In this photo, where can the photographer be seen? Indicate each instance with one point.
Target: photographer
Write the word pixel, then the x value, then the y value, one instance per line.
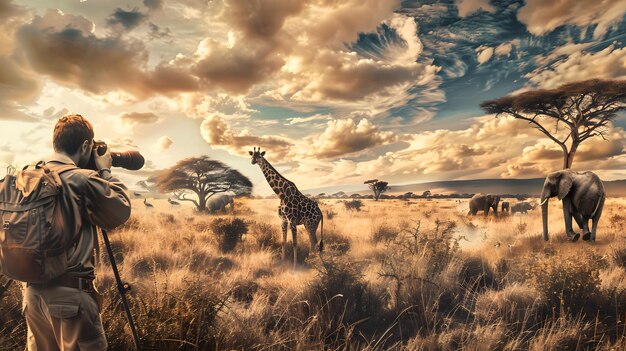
pixel 64 314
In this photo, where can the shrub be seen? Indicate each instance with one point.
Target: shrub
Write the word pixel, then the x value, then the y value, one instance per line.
pixel 476 274
pixel 335 241
pixel 384 233
pixel 355 204
pixel 340 300
pixel 264 234
pixel 229 232
pixel 569 284
pixel 330 214
pixel 516 305
pixel 618 256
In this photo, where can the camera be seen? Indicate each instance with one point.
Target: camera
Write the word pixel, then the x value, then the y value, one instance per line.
pixel 131 160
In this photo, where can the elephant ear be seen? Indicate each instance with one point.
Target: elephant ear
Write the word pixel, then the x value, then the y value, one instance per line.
pixel 565 184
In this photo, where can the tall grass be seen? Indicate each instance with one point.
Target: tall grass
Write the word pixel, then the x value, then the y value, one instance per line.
pixel 398 275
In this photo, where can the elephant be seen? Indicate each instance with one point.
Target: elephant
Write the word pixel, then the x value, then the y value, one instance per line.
pixel 483 202
pixel 219 202
pixel 582 194
pixel 505 206
pixel 523 207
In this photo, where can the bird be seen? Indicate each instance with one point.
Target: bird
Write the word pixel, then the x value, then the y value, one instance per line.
pixel 173 203
pixel 147 204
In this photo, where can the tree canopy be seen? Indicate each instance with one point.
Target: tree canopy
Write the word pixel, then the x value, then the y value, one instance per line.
pixel 377 186
pixel 569 114
pixel 202 178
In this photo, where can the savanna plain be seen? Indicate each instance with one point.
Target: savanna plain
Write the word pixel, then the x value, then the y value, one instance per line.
pixel 416 274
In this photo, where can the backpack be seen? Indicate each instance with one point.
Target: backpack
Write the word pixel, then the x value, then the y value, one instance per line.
pixel 33 239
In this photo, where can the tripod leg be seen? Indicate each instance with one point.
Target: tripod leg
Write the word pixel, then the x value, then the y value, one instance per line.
pixel 122 289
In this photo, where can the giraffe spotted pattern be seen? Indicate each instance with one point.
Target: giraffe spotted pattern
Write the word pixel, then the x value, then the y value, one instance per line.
pixel 295 208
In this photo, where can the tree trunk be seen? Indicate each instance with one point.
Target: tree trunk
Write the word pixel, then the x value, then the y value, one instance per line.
pixel 201 202
pixel 570 155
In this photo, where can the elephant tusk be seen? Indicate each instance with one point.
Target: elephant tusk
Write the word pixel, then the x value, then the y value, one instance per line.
pixel 544 201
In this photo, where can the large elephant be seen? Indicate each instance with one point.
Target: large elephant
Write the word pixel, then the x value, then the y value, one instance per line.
pixel 583 198
pixel 483 202
pixel 218 203
pixel 523 207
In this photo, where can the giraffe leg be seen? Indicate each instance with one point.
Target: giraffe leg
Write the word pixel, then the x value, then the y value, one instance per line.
pixel 294 238
pixel 311 228
pixel 284 245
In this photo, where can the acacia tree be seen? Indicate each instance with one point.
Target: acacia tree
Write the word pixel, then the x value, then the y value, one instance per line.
pixel 202 177
pixel 377 186
pixel 569 114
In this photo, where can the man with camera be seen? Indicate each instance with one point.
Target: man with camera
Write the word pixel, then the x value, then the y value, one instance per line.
pixel 64 313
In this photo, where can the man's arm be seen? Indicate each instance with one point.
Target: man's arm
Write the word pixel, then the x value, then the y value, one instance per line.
pixel 107 200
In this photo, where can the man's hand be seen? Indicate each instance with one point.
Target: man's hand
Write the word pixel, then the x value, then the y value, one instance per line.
pixel 104 161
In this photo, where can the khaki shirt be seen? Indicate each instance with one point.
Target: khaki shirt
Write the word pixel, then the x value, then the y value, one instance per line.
pixel 89 200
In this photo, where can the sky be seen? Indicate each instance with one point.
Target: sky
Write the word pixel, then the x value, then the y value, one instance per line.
pixel 336 92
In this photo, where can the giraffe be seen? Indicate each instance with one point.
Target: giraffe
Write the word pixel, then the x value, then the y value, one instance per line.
pixel 294 209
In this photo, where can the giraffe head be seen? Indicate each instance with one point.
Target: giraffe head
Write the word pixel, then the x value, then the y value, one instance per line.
pixel 256 154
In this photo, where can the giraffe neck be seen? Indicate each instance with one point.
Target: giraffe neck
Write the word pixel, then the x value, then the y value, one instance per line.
pixel 277 182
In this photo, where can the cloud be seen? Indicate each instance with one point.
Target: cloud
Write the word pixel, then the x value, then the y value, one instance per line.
pixel 18 85
pixel 608 64
pixel 164 143
pixel 53 114
pixel 505 49
pixel 467 7
pixel 484 54
pixel 7 155
pixel 132 119
pixel 153 4
pixel 157 33
pixel 64 48
pixel 541 17
pixel 127 20
pixel 343 137
pixel 218 134
pixel 309 119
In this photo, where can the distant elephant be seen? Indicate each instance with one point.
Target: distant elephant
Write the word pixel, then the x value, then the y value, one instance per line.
pixel 583 198
pixel 218 203
pixel 483 202
pixel 505 206
pixel 523 207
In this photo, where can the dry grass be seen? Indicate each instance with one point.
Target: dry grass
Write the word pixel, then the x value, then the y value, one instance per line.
pixel 413 274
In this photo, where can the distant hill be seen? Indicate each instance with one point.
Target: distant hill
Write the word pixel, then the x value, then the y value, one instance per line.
pixel 530 186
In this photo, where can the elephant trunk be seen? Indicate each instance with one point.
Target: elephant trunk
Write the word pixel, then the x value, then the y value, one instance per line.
pixel 544 215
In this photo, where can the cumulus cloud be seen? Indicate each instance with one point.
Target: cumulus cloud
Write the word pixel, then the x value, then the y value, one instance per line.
pixel 467 7
pixel 164 143
pixel 505 48
pixel 18 86
pixel 64 47
pixel 484 54
pixel 541 17
pixel 608 64
pixel 218 134
pixel 344 137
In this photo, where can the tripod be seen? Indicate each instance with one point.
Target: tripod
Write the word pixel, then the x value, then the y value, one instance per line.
pixel 122 288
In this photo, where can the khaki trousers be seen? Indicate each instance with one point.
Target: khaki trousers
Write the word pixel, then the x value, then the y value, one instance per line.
pixel 62 319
